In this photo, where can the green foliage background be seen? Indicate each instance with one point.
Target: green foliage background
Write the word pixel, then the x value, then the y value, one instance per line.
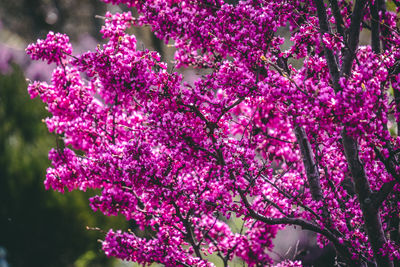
pixel 39 227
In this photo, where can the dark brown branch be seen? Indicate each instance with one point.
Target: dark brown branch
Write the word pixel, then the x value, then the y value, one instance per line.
pixel 189 231
pixel 380 196
pixel 285 74
pixel 219 254
pixel 344 252
pixel 330 57
pixel 338 16
pixel 397 3
pixel 371 215
pixel 290 196
pixel 394 224
pixel 182 263
pixel 361 182
pixel 375 28
pixel 387 188
pixel 354 36
pixel 309 163
pixel 234 104
pixel 385 32
pixel 196 147
pixel 389 163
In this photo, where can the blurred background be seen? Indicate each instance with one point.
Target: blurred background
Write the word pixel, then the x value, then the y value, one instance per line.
pixel 46 228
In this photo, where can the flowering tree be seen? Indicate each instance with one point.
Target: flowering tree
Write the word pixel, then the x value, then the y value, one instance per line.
pixel 256 138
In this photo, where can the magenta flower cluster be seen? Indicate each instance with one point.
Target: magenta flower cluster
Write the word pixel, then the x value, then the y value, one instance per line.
pixel 268 136
pixel 54 48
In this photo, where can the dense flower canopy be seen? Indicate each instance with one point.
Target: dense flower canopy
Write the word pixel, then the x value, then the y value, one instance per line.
pixel 304 135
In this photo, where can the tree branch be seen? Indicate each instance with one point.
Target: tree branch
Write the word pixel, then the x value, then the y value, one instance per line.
pixel 330 57
pixel 389 164
pixel 354 35
pixel 371 215
pixel 380 196
pixel 189 231
pixel 338 16
pixel 387 188
pixel 384 29
pixel 309 163
pixel 343 250
pixel 375 28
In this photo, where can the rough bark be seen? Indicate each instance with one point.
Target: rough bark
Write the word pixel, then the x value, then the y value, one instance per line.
pixel 309 163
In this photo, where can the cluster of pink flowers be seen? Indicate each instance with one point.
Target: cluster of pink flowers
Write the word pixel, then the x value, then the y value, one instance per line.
pixel 269 137
pixel 54 48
